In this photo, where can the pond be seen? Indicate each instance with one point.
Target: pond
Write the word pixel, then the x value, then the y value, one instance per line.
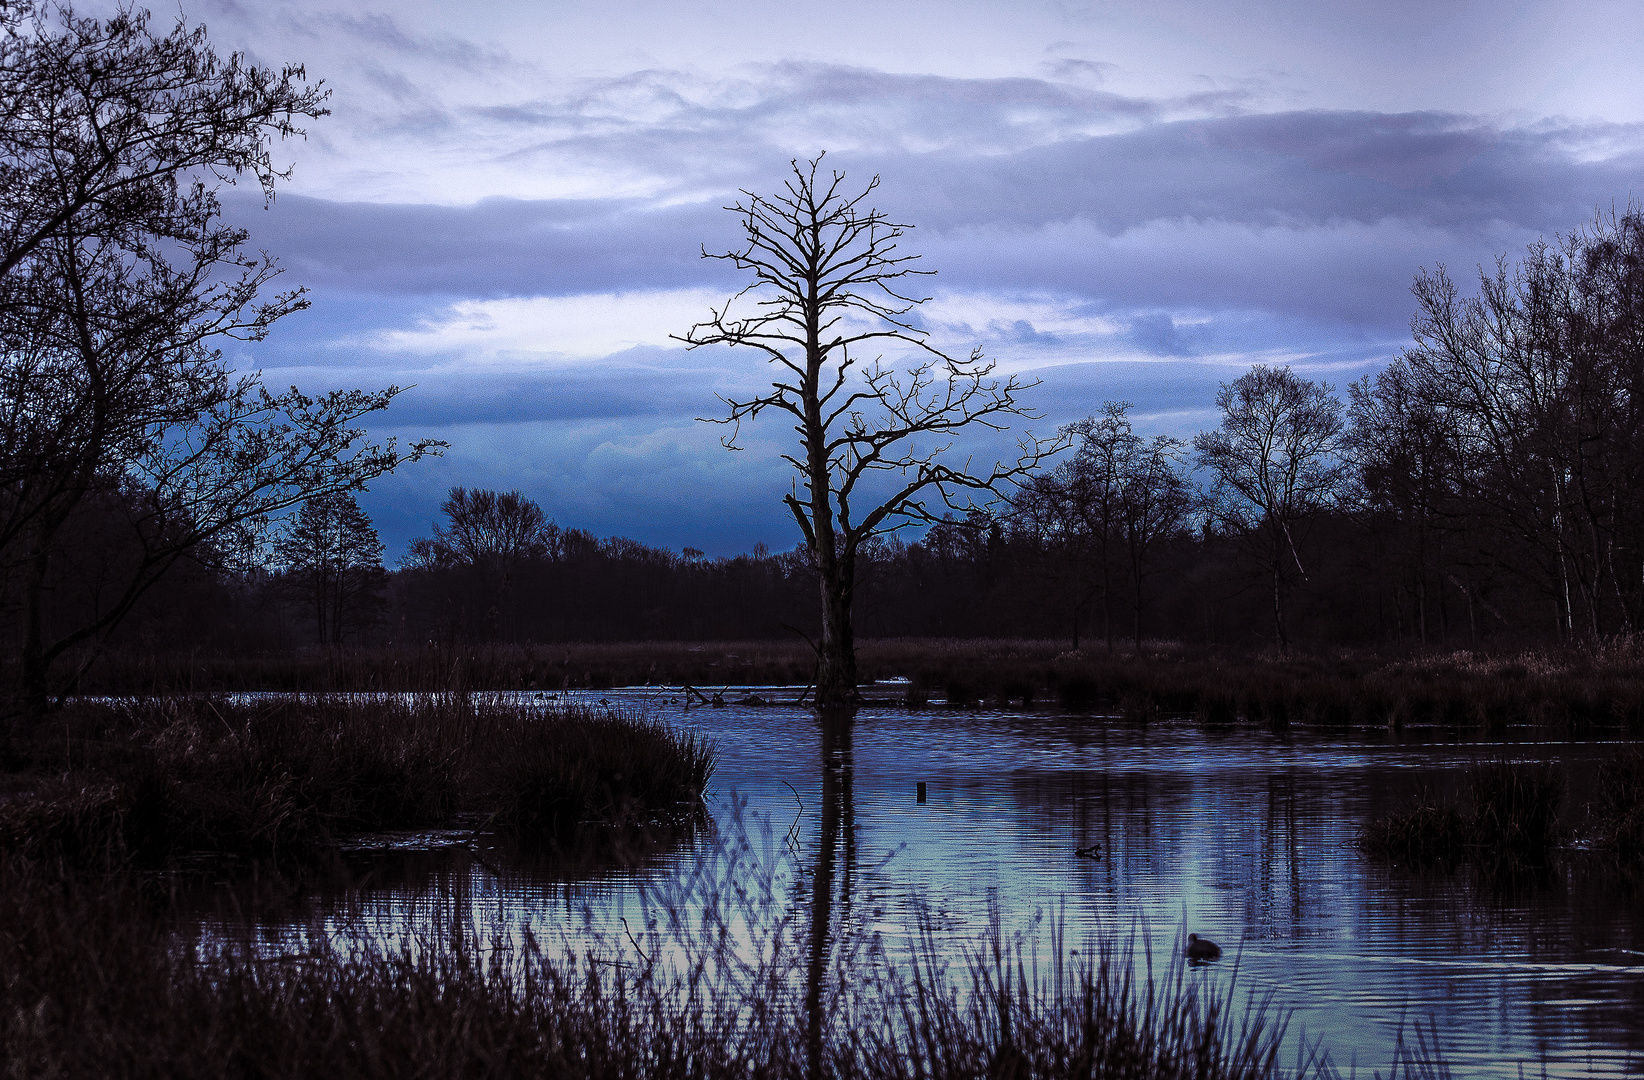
pixel 1235 833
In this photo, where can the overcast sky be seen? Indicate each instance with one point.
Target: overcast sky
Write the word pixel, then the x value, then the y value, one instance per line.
pixel 1125 200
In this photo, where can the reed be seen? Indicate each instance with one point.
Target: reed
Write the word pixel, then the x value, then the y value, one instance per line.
pixel 98 984
pixel 615 771
pixel 1620 805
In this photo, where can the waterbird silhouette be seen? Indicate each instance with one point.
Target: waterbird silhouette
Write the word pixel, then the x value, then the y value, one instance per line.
pixel 1199 948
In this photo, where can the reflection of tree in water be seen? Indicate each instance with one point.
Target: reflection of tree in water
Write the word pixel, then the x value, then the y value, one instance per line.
pixel 835 865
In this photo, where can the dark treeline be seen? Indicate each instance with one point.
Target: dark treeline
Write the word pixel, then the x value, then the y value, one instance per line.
pixel 1483 488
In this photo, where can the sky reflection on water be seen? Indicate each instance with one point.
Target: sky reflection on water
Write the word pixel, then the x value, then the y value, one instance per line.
pixel 1237 834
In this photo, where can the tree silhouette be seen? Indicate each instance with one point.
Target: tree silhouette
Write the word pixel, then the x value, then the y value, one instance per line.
pixel 333 559
pixel 872 456
pixel 118 279
pixel 1274 464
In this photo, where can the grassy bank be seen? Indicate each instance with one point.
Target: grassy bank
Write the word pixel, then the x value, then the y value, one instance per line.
pixel 150 781
pixel 1572 688
pixel 98 986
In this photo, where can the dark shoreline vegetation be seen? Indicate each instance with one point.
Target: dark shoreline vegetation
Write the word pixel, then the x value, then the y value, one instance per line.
pixel 101 982
pixel 1575 688
pixel 150 781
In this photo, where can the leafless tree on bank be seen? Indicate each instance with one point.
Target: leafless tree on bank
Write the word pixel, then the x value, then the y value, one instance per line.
pixel 829 284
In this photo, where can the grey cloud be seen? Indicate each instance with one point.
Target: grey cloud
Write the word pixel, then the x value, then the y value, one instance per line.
pixel 498 247
pixel 1306 224
pixel 1284 169
pixel 612 391
pixel 1158 334
pixel 1204 172
pixel 392 36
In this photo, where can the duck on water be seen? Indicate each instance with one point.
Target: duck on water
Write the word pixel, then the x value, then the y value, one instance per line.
pixel 1199 948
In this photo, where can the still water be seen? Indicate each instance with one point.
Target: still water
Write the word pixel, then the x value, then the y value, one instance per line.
pixel 1237 834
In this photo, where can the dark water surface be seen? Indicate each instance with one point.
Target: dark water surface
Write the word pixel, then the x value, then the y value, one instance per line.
pixel 1235 833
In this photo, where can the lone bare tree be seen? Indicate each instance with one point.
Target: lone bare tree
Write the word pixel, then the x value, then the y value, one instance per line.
pixel 829 283
pixel 1274 463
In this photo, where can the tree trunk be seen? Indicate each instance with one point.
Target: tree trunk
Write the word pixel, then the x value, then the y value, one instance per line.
pixel 1107 603
pixel 1278 595
pixel 1278 611
pixel 1136 582
pixel 33 691
pixel 836 660
pixel 1421 607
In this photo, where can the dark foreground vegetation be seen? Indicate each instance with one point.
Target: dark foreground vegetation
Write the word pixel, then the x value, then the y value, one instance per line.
pixel 149 781
pixel 99 984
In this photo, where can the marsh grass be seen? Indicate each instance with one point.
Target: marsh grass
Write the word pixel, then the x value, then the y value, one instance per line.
pixel 622 772
pixel 101 983
pixel 1512 819
pixel 149 781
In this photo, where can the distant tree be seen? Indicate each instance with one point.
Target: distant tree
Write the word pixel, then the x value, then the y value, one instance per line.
pixel 1071 513
pixel 1155 499
pixel 1274 464
pixel 332 558
pixel 1116 497
pixel 1047 521
pixel 1402 448
pixel 491 530
pixel 873 441
pixel 474 560
pixel 117 278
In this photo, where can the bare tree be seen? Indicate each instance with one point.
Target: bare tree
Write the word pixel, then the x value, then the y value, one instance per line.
pixel 1048 518
pixel 1402 448
pixel 1115 498
pixel 490 529
pixel 1539 380
pixel 872 455
pixel 1073 511
pixel 107 129
pixel 118 278
pixel 1105 444
pixel 486 538
pixel 1154 501
pixel 1274 465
